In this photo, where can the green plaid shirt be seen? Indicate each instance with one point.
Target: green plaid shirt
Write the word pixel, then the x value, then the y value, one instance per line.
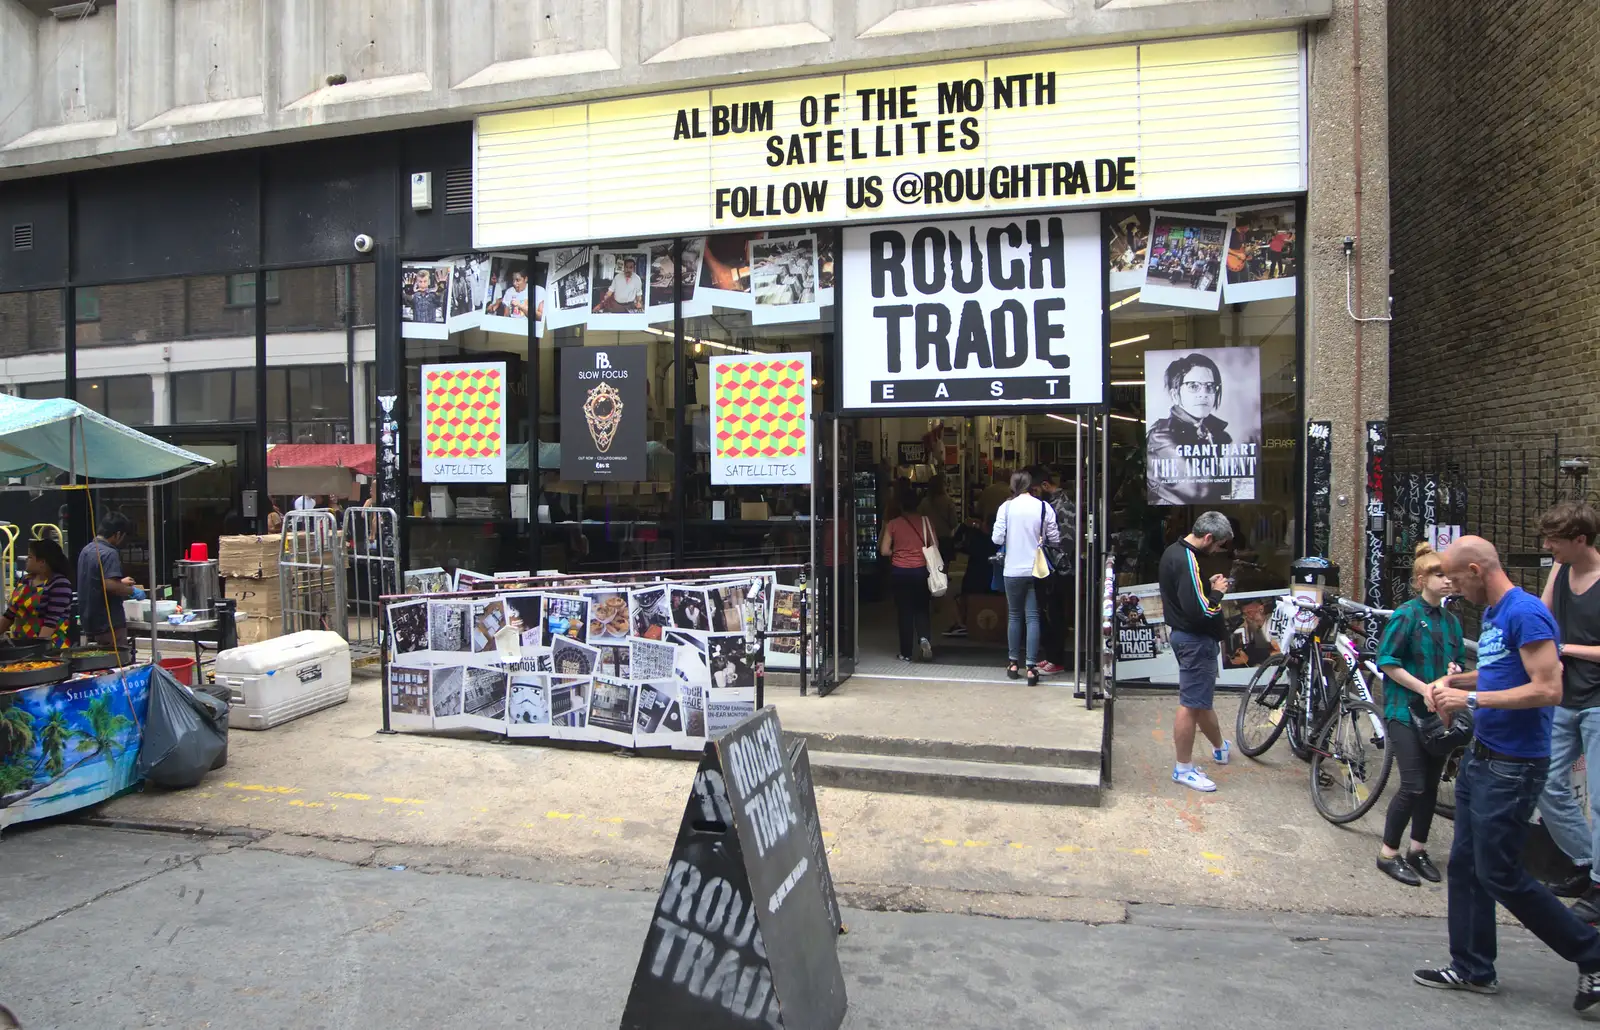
pixel 1422 640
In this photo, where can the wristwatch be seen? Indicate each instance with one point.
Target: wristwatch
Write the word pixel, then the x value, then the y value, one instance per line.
pixel 1472 701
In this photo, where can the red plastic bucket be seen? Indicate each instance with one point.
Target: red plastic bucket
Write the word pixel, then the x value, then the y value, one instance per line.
pixel 182 669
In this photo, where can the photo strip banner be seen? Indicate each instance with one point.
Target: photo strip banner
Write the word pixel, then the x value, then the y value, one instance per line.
pixel 425 299
pixel 660 664
pixel 1202 425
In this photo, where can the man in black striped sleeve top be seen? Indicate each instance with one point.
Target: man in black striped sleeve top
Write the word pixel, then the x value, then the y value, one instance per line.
pixel 1193 612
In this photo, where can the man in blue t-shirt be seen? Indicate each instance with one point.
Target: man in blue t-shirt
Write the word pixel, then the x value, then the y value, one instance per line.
pixel 1511 692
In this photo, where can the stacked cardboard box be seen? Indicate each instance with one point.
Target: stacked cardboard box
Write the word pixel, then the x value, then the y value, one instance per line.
pixel 249 567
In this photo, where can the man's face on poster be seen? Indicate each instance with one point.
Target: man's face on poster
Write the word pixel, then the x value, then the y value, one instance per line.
pixel 627 267
pixel 1197 392
pixel 423 281
pixel 519 281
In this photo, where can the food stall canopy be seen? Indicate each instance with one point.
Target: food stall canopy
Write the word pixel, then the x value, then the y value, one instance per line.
pixel 318 468
pixel 63 435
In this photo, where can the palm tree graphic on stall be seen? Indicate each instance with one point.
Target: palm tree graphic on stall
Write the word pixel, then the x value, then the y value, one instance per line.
pixel 100 736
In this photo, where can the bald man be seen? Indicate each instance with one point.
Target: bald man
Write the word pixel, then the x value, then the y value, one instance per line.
pixel 1511 692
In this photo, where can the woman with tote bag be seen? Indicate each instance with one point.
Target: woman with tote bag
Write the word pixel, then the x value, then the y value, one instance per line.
pixel 1023 526
pixel 915 572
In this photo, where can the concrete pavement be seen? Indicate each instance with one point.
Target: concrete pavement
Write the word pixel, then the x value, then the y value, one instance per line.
pixel 106 929
pixel 329 784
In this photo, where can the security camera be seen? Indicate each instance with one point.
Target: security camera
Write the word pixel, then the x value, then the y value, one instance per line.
pixel 363 243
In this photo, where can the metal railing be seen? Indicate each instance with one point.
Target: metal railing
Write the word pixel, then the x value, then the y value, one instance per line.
pixel 370 536
pixel 311 573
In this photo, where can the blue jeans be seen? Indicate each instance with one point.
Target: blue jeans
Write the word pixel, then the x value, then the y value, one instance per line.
pixel 1494 801
pixel 1576 732
pixel 1022 602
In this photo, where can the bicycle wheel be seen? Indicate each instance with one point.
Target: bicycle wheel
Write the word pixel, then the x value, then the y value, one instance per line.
pixel 1446 805
pixel 1267 705
pixel 1349 764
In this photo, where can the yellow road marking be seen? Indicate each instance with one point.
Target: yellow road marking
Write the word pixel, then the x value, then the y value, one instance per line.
pixel 1211 856
pixel 262 788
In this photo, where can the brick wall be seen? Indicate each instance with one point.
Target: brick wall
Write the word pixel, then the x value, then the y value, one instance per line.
pixel 1495 210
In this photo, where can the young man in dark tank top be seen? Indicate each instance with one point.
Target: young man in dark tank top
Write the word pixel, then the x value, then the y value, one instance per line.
pixel 1572 593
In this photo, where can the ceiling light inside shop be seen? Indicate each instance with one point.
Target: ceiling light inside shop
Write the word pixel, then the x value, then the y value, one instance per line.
pixel 1127 382
pixel 1129 299
pixel 1127 418
pixel 1131 339
pixel 1063 418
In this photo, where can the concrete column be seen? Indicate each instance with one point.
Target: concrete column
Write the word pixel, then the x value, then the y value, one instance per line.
pixel 1331 369
pixel 161 398
pixel 145 59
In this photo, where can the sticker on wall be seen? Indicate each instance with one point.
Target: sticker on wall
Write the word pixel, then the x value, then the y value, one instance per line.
pixel 1262 253
pixel 617 290
pixel 567 288
pixel 974 314
pixel 761 419
pixel 1129 244
pixel 1184 267
pixel 1202 425
pixel 783 280
pixel 604 407
pixel 464 423
pixel 424 299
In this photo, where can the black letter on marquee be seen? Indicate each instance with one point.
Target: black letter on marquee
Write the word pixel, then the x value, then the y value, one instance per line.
pixel 888 250
pixel 974 282
pixel 972 338
pixel 1044 331
pixel 928 278
pixel 891 315
pixel 1011 278
pixel 1010 349
pixel 933 335
pixel 1055 252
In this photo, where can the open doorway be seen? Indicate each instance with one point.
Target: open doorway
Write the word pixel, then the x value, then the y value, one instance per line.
pixel 956 472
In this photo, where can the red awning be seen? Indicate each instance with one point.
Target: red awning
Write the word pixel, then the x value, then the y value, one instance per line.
pixel 360 458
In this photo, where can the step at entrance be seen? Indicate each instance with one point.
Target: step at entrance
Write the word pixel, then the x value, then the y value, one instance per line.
pixel 954 778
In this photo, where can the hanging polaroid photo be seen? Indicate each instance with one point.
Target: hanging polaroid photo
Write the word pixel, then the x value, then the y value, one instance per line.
pixel 516 291
pixel 1184 266
pixel 447 685
pixel 424 299
pixel 783 652
pixel 725 270
pixel 825 241
pixel 428 581
pixel 608 615
pixel 660 306
pixel 528 709
pixel 1129 244
pixel 571 658
pixel 692 706
pixel 783 279
pixel 617 289
pixel 1263 253
pixel 732 665
pixel 449 626
pixel 569 706
pixel 468 581
pixel 565 618
pixel 483 704
pixel 649 612
pixel 616 660
pixel 611 710
pixel 488 618
pixel 469 285
pixel 567 288
pixel 525 614
pixel 690 609
pixel 408 627
pixel 729 613
pixel 652 659
pixel 410 697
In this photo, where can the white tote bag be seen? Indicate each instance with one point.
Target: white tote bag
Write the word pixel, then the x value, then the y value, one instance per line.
pixel 938 582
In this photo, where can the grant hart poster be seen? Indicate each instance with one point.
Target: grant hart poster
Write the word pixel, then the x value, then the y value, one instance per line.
pixel 603 413
pixel 1202 424
pixel 998 312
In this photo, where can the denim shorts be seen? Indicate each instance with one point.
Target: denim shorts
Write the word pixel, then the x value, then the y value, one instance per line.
pixel 1197 668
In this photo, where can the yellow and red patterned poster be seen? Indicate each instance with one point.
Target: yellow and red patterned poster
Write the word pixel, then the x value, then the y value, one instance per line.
pixel 464 423
pixel 761 419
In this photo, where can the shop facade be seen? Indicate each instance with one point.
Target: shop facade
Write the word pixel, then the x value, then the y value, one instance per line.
pixel 728 199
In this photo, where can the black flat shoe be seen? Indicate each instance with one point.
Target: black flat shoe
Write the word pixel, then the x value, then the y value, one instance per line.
pixel 1574 885
pixel 1397 869
pixel 1013 672
pixel 1424 866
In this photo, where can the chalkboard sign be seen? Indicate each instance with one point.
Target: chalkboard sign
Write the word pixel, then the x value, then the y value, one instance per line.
pixel 742 933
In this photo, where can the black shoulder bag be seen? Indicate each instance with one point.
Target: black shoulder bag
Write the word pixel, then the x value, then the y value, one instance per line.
pixel 1438 737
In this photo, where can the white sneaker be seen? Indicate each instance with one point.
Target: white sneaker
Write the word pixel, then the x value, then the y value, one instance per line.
pixel 1193 778
pixel 1220 754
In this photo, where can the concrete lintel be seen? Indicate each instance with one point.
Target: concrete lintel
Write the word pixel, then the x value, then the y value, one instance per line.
pixel 741 41
pixel 197 114
pixel 504 72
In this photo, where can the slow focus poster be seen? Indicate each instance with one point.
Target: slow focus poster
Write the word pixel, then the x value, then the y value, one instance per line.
pixel 604 407
pixel 464 423
pixel 761 419
pixel 1202 425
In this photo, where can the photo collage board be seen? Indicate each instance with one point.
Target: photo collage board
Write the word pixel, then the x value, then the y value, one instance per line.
pixel 661 664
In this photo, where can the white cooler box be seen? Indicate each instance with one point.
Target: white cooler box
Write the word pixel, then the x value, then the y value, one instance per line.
pixel 284 678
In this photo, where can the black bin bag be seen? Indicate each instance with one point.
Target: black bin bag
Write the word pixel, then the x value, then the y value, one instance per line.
pixel 184 733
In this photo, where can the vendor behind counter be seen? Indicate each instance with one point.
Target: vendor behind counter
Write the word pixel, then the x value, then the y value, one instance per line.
pixel 41 605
